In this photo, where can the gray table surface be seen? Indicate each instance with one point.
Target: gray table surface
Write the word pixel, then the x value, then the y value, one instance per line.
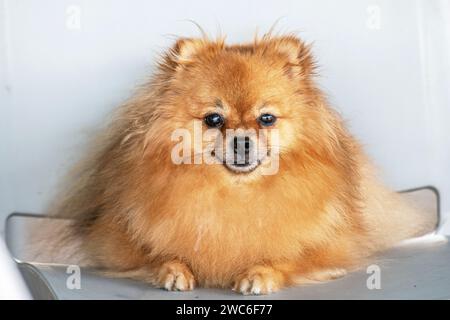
pixel 417 271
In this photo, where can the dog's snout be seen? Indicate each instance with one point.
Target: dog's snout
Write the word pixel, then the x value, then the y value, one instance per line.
pixel 241 151
pixel 242 145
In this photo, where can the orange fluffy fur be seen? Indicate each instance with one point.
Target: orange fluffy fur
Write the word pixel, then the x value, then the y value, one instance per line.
pixel 179 226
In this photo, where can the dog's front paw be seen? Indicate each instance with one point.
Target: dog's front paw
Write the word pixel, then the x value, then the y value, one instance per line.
pixel 175 276
pixel 259 280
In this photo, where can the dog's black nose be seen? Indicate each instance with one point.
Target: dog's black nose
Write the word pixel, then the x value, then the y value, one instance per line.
pixel 242 145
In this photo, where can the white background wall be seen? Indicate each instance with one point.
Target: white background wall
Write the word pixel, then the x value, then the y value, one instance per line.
pixel 65 64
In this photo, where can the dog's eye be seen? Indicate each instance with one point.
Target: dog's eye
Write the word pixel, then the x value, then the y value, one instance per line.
pixel 267 119
pixel 214 120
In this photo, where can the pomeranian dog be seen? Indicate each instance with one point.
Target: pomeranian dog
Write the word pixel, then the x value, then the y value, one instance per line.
pixel 298 202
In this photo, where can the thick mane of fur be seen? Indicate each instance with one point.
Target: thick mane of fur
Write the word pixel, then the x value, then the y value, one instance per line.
pixel 136 211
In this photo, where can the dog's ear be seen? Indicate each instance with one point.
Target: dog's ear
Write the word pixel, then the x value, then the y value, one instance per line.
pixel 299 60
pixel 184 50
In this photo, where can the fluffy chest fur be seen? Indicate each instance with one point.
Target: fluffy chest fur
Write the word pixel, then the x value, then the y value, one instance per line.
pixel 221 230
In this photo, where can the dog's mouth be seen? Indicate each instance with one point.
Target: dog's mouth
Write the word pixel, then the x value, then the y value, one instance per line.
pixel 236 165
pixel 245 167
